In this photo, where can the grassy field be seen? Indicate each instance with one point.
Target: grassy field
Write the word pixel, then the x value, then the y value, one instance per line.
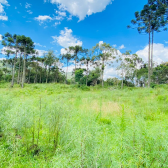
pixel 59 126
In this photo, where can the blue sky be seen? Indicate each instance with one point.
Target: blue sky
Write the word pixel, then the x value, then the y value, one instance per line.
pixel 84 22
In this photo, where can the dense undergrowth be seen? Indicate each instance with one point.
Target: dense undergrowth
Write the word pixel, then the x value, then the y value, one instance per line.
pixel 53 125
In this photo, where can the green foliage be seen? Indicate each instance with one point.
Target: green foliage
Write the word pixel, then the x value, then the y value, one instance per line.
pixel 79 75
pixel 85 88
pixel 63 126
pixel 105 121
pixel 1 75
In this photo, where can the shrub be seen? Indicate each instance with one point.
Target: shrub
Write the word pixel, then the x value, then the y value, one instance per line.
pixel 85 88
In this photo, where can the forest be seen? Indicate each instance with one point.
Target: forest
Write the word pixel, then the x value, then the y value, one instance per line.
pixel 51 116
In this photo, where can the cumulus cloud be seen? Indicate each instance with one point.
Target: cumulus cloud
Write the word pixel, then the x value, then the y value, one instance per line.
pixel 0 37
pixel 122 47
pixel 66 39
pixel 3 50
pixel 2 12
pixel 100 43
pixel 110 72
pixel 63 51
pixel 4 18
pixel 5 2
pixel 43 18
pixel 81 8
pixel 160 53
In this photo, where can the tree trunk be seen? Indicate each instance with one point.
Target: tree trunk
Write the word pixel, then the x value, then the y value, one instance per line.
pixel 122 80
pixel 24 68
pixel 149 62
pixel 152 52
pixel 75 65
pixel 36 71
pixel 102 78
pixel 18 80
pixel 67 72
pixel 13 73
pixel 87 74
pixel 102 74
pixel 40 76
pixel 47 75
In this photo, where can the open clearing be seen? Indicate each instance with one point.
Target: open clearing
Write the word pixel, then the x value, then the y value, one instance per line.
pixel 58 125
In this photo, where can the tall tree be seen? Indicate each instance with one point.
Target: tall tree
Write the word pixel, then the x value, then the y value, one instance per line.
pixel 128 65
pixel 149 19
pixel 88 60
pixel 49 60
pixel 75 50
pixel 67 56
pixel 27 45
pixel 105 54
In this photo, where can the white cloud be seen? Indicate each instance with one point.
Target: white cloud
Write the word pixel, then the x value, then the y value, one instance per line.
pixel 166 42
pixel 0 37
pixel 66 50
pixel 5 2
pixel 29 11
pixel 38 44
pixel 61 13
pixel 160 53
pixel 114 45
pixel 58 18
pixel 41 52
pixel 1 8
pixel 122 47
pixel 82 8
pixel 5 18
pixel 57 23
pixel 27 5
pixel 1 59
pixel 3 50
pixel 110 72
pixel 100 43
pixel 63 51
pixel 43 18
pixel 66 39
pixel 70 17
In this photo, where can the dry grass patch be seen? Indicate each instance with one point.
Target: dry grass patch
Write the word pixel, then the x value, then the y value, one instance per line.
pixel 107 108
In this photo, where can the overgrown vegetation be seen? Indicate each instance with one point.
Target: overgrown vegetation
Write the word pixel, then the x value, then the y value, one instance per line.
pixel 54 125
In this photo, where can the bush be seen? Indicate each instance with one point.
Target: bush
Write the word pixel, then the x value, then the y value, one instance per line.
pixel 85 88
pixel 153 85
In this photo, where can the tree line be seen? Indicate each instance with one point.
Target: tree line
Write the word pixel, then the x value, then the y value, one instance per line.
pixel 24 65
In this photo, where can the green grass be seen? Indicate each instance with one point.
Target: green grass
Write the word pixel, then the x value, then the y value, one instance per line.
pixel 53 125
